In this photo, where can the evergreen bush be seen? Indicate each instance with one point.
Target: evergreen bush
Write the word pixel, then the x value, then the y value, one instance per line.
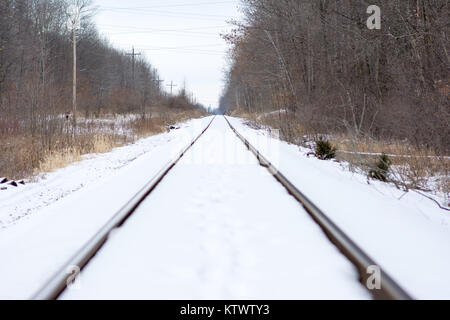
pixel 381 168
pixel 324 150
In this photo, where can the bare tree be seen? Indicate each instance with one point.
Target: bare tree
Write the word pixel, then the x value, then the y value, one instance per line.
pixel 319 61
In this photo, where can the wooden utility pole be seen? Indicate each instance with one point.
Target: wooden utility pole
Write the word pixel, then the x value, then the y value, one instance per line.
pixel 158 84
pixel 74 99
pixel 171 85
pixel 133 55
pixel 74 22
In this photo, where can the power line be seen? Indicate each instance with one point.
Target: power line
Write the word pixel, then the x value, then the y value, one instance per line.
pixel 183 29
pixel 173 15
pixel 174 5
pixel 185 52
pixel 119 31
pixel 170 12
pixel 201 34
pixel 186 47
pixel 192 51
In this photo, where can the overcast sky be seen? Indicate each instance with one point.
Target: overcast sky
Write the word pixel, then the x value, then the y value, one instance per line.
pixel 181 38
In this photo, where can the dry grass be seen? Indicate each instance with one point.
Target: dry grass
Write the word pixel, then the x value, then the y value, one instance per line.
pixel 58 159
pixel 348 143
pixel 52 160
pixel 103 143
pixel 157 120
pixel 412 168
pixel 18 156
pixel 23 156
pixel 290 131
pixel 148 126
pixel 245 115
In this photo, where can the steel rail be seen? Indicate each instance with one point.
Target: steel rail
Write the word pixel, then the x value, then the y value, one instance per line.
pixel 59 281
pixel 390 290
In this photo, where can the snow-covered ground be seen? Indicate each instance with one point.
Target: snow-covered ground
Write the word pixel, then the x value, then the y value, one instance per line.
pixel 406 233
pixel 45 222
pixel 218 226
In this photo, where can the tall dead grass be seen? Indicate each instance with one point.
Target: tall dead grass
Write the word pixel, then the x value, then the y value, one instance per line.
pixel 57 159
pixel 24 156
pixel 157 121
pixel 412 167
pixel 103 143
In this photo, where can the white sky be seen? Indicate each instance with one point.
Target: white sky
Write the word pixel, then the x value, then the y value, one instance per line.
pixel 181 38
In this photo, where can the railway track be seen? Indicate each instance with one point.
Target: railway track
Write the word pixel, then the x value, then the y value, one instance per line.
pixel 389 288
pixel 58 283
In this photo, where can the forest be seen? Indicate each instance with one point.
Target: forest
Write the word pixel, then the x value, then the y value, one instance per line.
pixel 314 67
pixel 37 122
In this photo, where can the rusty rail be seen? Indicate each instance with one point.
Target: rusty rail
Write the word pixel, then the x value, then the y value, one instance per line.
pixel 59 281
pixel 389 288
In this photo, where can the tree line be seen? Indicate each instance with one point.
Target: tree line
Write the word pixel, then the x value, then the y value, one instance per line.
pixel 36 63
pixel 320 62
pixel 38 129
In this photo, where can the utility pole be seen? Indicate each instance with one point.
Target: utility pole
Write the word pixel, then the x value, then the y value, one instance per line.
pixel 75 23
pixel 158 84
pixel 74 98
pixel 171 85
pixel 133 58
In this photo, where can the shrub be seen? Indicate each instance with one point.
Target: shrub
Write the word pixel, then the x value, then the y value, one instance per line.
pixel 58 159
pixel 381 168
pixel 324 150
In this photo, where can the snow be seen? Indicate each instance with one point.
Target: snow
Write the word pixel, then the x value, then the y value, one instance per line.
pixel 219 226
pixel 406 233
pixel 46 222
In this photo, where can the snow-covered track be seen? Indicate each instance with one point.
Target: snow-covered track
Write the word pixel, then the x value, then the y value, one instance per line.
pixel 59 281
pixel 389 288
